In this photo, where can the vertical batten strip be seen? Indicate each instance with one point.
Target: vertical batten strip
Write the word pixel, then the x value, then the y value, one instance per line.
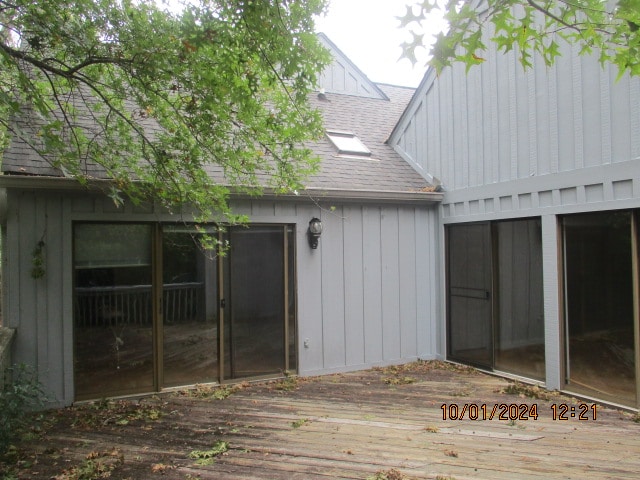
pixel 513 116
pixel 533 120
pixel 605 116
pixel 634 102
pixel 491 154
pixel 552 91
pixel 578 107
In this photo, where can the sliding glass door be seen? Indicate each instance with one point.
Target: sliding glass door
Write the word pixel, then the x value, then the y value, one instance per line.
pixel 495 296
pixel 519 306
pixel 113 318
pixel 189 307
pixel 600 317
pixel 257 301
pixel 154 308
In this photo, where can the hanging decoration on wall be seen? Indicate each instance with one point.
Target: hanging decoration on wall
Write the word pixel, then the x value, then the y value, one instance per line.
pixel 38 260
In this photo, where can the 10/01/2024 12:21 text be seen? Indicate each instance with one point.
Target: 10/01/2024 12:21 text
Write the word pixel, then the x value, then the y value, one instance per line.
pixel 516 411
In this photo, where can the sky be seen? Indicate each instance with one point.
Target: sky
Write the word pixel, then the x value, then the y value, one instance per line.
pixel 368 32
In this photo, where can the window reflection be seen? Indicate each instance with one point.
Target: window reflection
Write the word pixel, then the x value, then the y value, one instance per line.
pixel 496 307
pixel 189 296
pixel 599 305
pixel 113 333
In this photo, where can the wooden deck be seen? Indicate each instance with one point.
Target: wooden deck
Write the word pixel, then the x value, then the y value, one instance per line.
pixel 382 423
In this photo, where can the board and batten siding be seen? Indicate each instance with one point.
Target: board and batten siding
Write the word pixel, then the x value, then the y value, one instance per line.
pixel 377 281
pixel 367 296
pixel 344 77
pixel 37 307
pixel 500 122
pixel 510 143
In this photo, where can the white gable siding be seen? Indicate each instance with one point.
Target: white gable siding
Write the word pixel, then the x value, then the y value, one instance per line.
pixel 500 122
pixel 341 77
pixel 344 77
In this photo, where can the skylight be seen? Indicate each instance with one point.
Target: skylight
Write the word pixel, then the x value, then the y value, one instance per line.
pixel 348 143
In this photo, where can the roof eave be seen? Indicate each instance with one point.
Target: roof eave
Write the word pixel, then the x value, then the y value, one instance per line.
pixel 315 194
pixel 41 182
pixel 319 194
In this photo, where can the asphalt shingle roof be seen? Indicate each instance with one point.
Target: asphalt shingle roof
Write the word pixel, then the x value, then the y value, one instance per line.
pixel 371 119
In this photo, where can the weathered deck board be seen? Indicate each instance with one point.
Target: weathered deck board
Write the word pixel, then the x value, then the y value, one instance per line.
pixel 341 426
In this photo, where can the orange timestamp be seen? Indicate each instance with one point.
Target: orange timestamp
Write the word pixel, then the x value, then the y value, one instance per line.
pixel 580 411
pixel 516 411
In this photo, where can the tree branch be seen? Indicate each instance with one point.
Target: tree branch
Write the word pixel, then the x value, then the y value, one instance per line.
pixel 547 13
pixel 583 7
pixel 67 72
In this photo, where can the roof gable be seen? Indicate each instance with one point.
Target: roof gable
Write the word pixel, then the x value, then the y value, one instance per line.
pixel 500 122
pixel 370 119
pixel 344 77
pixel 367 112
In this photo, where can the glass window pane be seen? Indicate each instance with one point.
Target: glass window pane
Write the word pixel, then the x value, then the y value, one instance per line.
pixel 520 317
pixel 190 320
pixel 470 328
pixel 347 143
pixel 109 245
pixel 113 321
pixel 599 305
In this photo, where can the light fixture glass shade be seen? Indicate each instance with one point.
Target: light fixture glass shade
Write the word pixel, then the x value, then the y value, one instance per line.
pixel 315 226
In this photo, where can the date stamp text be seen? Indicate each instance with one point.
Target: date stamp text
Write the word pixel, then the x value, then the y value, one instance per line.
pixel 517 411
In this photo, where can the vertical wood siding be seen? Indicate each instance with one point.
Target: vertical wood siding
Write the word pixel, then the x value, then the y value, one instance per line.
pixel 354 260
pixel 378 269
pixel 367 296
pixel 342 76
pixel 372 284
pixel 501 123
pixel 334 300
pixel 36 306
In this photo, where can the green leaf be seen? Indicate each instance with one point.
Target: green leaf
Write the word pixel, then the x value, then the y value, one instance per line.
pixel 410 17
pixel 409 48
pixel 167 96
pixel 536 28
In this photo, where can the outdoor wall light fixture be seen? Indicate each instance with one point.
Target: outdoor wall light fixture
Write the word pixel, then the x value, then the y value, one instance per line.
pixel 314 232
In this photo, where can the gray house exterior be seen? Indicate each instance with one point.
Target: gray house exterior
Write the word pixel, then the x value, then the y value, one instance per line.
pixel 538 225
pixel 488 218
pixel 129 304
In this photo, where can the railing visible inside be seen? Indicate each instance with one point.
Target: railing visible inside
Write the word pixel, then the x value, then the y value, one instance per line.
pixel 131 305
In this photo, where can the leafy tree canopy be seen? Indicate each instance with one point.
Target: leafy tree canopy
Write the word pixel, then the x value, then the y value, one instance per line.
pixel 611 29
pixel 223 82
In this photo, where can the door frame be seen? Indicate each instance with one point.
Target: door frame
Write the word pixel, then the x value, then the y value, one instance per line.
pixel 490 296
pixel 565 366
pixel 492 261
pixel 157 327
pixel 225 304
